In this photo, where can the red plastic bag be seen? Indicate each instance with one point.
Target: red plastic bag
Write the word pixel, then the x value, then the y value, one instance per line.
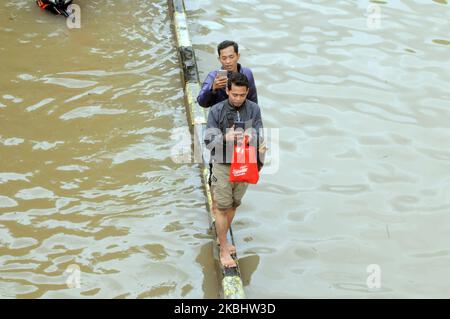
pixel 244 166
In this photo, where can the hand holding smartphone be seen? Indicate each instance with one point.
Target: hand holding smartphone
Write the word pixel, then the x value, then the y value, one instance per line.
pixel 222 73
pixel 221 80
pixel 239 124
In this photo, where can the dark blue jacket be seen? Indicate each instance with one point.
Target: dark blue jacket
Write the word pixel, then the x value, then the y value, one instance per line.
pixel 206 98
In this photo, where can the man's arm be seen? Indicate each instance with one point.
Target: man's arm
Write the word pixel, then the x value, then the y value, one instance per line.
pixel 260 143
pixel 206 95
pixel 213 134
pixel 258 123
pixel 252 92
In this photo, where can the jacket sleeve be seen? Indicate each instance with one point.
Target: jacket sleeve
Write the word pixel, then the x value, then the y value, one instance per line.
pixel 252 94
pixel 206 96
pixel 213 135
pixel 258 126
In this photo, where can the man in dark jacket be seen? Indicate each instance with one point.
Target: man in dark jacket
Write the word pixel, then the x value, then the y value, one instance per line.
pixel 220 137
pixel 213 89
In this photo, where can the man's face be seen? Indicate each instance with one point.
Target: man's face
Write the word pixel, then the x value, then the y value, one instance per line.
pixel 229 59
pixel 237 95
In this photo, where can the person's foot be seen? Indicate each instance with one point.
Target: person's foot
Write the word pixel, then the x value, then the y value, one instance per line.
pixel 226 260
pixel 231 248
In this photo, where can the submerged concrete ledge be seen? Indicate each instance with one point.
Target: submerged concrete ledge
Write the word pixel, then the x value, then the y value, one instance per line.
pixel 232 287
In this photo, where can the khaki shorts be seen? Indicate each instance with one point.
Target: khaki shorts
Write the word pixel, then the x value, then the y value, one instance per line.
pixel 225 193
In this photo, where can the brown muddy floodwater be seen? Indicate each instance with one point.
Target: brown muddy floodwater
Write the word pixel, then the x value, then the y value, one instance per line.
pixel 86 176
pixel 87 180
pixel 364 155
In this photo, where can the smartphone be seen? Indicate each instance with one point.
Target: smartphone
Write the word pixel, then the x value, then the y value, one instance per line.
pixel 222 73
pixel 239 124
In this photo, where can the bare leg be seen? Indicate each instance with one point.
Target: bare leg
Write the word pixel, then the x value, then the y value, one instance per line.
pixel 230 216
pixel 221 228
pixel 214 208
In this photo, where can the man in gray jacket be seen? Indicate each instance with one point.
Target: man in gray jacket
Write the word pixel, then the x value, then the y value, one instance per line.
pixel 220 138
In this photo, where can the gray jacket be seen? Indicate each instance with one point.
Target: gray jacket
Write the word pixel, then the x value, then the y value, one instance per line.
pixel 221 117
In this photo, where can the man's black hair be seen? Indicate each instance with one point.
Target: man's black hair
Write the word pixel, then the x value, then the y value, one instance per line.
pixel 225 44
pixel 238 79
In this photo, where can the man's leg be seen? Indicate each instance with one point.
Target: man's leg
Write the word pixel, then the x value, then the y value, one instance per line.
pixel 222 227
pixel 223 208
pixel 238 190
pixel 230 216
